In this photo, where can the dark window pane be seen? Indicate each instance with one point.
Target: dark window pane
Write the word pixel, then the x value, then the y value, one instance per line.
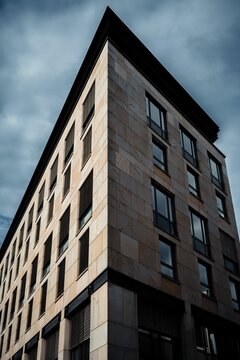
pixel 84 245
pixel 221 205
pixel 216 172
pixel 87 144
pixel 61 278
pixel 53 174
pixel 69 144
pixel 19 321
pixel 159 155
pixel 41 198
pixel 64 231
pixel 67 180
pixel 89 107
pixel 156 117
pixel 47 255
pixel 235 292
pixel 199 234
pixel 189 147
pixel 33 275
pixel 29 316
pixel 205 281
pixel 43 298
pixel 86 201
pixel 51 352
pixel 22 290
pixel 38 227
pixel 21 237
pixel 30 218
pixel 50 208
pixel 193 183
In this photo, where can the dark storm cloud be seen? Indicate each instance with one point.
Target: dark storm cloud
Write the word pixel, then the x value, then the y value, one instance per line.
pixel 43 44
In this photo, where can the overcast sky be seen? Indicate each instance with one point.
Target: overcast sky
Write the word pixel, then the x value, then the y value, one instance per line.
pixel 43 43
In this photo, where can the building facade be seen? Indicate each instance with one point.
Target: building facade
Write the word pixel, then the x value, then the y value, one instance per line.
pixel 125 243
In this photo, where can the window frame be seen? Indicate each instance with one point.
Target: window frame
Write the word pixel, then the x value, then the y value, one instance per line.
pixel 161 129
pixel 83 241
pixel 235 301
pixel 63 234
pixel 221 212
pixel 69 144
pixel 46 256
pixel 87 146
pixel 61 278
pixel 162 165
pixel 217 181
pixel 192 157
pixel 193 191
pixel 204 230
pixel 229 252
pixel 173 268
pixel 85 213
pixel 209 285
pixel 87 116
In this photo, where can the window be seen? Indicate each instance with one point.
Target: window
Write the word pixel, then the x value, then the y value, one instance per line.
pixel 61 278
pixel 189 147
pixel 163 210
pixel 10 279
pixel 33 275
pixel 199 233
pixel 88 107
pixel 87 144
pixel 156 116
pixel 43 299
pixel 235 293
pixel 221 205
pixel 206 342
pixel 5 315
pixel 85 212
pixel 1 345
pixel 29 315
pixel 1 275
pixel 32 353
pixel 26 251
pixel 167 259
pixel 50 208
pixel 9 338
pixel 193 184
pixel 6 265
pixel 67 180
pixel 38 227
pixel 41 198
pixel 80 334
pixel 64 231
pixel 229 252
pixel 51 352
pixel 17 266
pixel 216 172
pixel 22 290
pixel 13 251
pixel 19 321
pixel 53 175
pixel 84 244
pixel 159 154
pixel 30 219
pixel 69 144
pixel 21 238
pixel 13 304
pixel 205 278
pixel 3 291
pixel 47 255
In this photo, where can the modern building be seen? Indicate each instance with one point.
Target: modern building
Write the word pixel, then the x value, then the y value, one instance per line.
pixel 124 245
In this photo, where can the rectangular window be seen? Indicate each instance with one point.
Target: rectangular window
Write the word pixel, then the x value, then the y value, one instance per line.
pixel 22 290
pixel 221 205
pixel 67 180
pixel 21 238
pixel 163 210
pixel 159 154
pixel 229 252
pixel 5 315
pixel 199 233
pixel 9 338
pixel 80 334
pixel 64 231
pixel 86 190
pixel 43 299
pixel 50 208
pixel 235 293
pixel 3 291
pixel 216 172
pixel 51 352
pixel 87 145
pixel 32 354
pixel 206 342
pixel 29 315
pixel 53 175
pixel 19 321
pixel 193 184
pixel 88 107
pixel 188 144
pixel 26 251
pixel 13 303
pixel 1 345
pixel 10 279
pixel 84 245
pixel 167 259
pixel 61 278
pixel 17 266
pixel 6 265
pixel 38 227
pixel 13 251
pixel 156 116
pixel 41 198
pixel 47 255
pixel 1 275
pixel 205 278
pixel 33 275
pixel 69 144
pixel 30 219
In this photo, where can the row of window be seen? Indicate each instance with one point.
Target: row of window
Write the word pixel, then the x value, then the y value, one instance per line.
pixel 88 112
pixel 78 343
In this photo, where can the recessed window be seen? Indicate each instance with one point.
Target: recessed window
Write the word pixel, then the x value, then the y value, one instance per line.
pixel 87 146
pixel 229 252
pixel 47 256
pixel 67 180
pixel 156 116
pixel 64 231
pixel 43 298
pixel 53 175
pixel 167 258
pixel 80 334
pixel 69 144
pixel 88 107
pixel 6 265
pixel 235 293
pixel 22 290
pixel 189 147
pixel 85 212
pixel 221 205
pixel 50 208
pixel 29 315
pixel 51 350
pixel 61 278
pixel 17 266
pixel 13 303
pixel 1 345
pixel 21 237
pixel 216 172
pixel 5 315
pixel 9 338
pixel 84 245
pixel 205 278
pixel 163 210
pixel 33 275
pixel 30 219
pixel 193 184
pixel 206 342
pixel 159 154
pixel 199 233
pixel 26 251
pixel 13 251
pixel 18 330
pixel 10 279
pixel 38 227
pixel 41 198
